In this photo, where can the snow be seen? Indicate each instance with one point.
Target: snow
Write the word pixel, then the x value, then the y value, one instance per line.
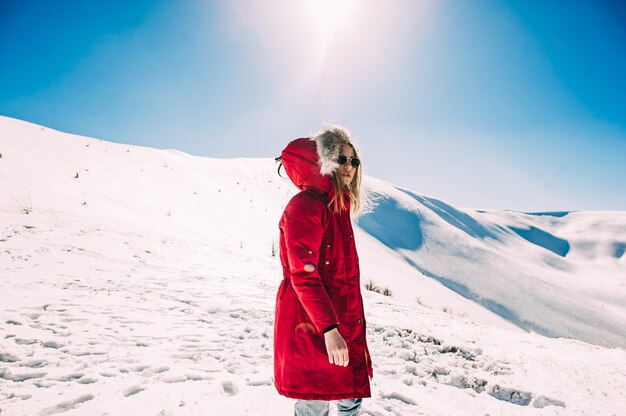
pixel 559 275
pixel 142 282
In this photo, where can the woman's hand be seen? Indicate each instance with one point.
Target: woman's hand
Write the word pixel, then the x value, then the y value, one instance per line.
pixel 336 348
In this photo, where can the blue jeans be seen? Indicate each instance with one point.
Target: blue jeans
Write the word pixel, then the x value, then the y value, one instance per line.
pixel 349 407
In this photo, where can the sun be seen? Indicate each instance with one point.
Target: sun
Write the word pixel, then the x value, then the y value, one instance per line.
pixel 329 16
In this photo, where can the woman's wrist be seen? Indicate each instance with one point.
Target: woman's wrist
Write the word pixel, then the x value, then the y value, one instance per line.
pixel 329 328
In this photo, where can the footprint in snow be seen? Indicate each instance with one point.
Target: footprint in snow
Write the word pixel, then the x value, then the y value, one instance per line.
pixel 542 401
pixel 52 344
pixel 259 382
pixel 25 341
pixel 141 367
pixel 87 380
pixel 229 388
pixel 131 391
pixel 65 406
pixel 523 398
pixel 33 363
pixel 148 372
pixel 8 358
pixel 518 397
pixel 70 377
pixel 19 377
pixel 398 396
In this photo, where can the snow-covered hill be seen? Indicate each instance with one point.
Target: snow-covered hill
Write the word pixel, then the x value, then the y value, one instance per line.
pixel 142 281
pixel 558 274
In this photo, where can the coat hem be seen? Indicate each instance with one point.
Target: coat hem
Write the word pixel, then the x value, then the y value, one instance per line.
pixel 327 397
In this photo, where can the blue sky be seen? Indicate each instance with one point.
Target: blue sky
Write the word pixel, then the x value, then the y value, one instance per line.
pixel 486 104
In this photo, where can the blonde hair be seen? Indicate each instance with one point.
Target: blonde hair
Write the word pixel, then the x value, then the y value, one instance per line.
pixel 338 202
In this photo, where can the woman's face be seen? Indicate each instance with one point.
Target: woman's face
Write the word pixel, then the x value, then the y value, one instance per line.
pixel 346 171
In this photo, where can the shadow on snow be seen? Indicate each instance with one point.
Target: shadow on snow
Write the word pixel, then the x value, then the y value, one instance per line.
pixel 393 225
pixel 543 239
pixel 453 216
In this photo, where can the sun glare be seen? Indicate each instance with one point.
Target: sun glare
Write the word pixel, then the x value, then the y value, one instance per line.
pixel 329 15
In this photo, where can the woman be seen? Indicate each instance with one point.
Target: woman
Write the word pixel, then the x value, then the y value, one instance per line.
pixel 320 350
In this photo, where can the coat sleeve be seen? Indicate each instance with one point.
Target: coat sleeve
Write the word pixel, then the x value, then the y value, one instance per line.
pixel 303 228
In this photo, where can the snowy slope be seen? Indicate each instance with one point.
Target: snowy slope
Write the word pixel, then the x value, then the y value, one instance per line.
pixel 559 274
pixel 142 282
pixel 226 203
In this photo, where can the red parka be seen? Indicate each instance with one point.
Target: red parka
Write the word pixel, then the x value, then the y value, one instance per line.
pixel 320 288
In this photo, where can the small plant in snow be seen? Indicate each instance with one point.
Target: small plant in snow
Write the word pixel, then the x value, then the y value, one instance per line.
pixel 273 249
pixel 76 175
pixel 372 287
pixel 25 205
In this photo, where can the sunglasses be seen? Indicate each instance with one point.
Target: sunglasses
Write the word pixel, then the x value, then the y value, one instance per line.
pixel 342 160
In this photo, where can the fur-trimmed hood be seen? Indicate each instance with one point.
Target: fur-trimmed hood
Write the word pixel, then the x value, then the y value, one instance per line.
pixel 329 142
pixel 309 161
